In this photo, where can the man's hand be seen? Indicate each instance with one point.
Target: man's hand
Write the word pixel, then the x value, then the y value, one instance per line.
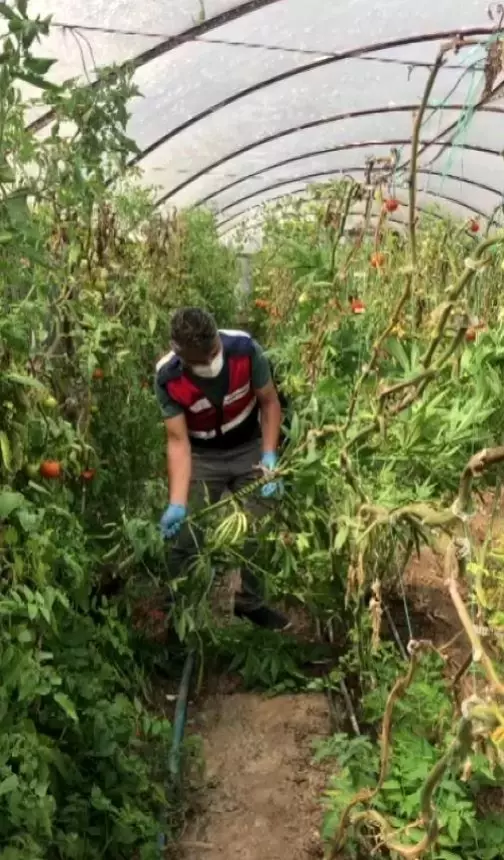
pixel 272 488
pixel 172 520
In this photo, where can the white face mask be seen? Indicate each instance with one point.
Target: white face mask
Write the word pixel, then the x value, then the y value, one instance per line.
pixel 209 371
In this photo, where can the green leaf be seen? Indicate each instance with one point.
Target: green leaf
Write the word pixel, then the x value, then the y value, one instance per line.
pixel 17 207
pixel 31 31
pixel 29 381
pixel 74 254
pixel 454 824
pixel 39 65
pixel 5 450
pixel 295 427
pixel 45 613
pixel 9 502
pixel 22 6
pixel 341 537
pixel 9 783
pixel 5 238
pixel 28 520
pixel 7 12
pixel 152 323
pixel 67 705
pixel 36 81
pixel 6 173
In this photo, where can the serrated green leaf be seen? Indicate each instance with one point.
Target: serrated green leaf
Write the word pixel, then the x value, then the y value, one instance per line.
pixel 67 705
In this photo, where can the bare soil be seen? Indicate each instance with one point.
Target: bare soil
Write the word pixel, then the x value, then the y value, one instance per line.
pixel 261 794
pixel 261 799
pixel 425 576
pixel 432 613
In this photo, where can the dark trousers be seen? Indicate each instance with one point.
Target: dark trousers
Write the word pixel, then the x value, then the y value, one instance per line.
pixel 214 473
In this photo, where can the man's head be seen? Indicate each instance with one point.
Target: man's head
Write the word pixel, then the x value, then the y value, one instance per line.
pixel 195 339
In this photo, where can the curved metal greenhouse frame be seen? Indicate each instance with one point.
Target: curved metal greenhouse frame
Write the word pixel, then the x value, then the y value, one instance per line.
pixel 244 29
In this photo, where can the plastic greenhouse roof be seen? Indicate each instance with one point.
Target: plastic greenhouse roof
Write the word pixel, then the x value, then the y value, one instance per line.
pixel 248 102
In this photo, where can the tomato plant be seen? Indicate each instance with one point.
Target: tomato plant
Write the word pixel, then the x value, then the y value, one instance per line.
pixel 84 312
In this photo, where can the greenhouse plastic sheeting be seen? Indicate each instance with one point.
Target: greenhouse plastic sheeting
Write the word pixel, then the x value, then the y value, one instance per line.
pixel 247 102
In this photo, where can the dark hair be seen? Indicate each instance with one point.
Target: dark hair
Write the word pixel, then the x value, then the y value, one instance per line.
pixel 193 328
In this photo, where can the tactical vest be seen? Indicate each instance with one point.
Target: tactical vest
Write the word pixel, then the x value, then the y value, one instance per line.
pixel 233 422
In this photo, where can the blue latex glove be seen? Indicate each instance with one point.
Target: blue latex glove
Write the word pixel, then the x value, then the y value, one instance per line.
pixel 172 520
pixel 273 488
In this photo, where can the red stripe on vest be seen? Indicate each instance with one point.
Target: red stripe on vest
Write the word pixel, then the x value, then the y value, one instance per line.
pixel 239 397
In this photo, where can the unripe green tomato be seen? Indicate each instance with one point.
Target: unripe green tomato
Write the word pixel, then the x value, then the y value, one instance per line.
pixel 32 469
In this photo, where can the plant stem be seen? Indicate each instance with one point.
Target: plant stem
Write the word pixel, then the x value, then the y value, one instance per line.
pixel 347 202
pixel 415 146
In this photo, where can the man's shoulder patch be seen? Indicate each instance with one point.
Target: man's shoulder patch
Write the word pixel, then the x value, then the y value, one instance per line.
pixel 164 360
pixel 232 332
pixel 237 341
pixel 167 367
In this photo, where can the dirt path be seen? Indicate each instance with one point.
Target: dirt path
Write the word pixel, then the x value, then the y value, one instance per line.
pixel 262 793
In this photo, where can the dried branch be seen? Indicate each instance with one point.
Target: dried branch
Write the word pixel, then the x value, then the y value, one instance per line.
pixel 343 216
pixel 366 795
pixel 476 466
pixel 455 565
pixel 412 181
pixel 375 353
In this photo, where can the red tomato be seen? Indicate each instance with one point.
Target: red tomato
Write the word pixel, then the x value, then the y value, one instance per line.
pixel 474 226
pixel 50 469
pixel 358 307
pixel 88 474
pixel 98 373
pixel 391 205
